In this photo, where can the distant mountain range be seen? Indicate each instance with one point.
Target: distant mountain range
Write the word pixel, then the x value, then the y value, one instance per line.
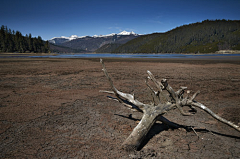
pixel 89 43
pixel 208 36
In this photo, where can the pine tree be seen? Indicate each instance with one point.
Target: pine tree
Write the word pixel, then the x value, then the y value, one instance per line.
pixel 30 42
pixel 11 41
pixel 2 39
pixel 46 47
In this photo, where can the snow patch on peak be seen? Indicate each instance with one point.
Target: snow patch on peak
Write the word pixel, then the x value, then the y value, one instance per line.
pixel 112 34
pixel 72 37
pixel 99 36
pixel 126 33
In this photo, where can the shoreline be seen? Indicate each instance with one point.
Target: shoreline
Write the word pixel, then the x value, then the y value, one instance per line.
pixel 229 59
pixel 221 52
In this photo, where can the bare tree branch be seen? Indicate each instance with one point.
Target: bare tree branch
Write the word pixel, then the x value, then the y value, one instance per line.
pixel 155 95
pixel 130 98
pixel 206 109
pixel 152 113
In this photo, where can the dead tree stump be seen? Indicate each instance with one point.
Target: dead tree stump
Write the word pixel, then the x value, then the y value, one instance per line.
pixel 154 112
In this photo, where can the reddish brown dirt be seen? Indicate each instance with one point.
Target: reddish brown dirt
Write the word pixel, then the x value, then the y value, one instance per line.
pixel 52 108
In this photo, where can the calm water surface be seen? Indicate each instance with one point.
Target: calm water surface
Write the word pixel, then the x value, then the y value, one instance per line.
pixel 135 56
pixel 107 55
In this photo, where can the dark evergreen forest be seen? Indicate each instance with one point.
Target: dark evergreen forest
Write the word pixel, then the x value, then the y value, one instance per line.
pixel 11 41
pixel 203 37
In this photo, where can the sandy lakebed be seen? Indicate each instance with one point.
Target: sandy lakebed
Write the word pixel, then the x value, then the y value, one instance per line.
pixel 52 108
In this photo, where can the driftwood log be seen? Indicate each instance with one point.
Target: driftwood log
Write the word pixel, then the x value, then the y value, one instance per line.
pixel 164 100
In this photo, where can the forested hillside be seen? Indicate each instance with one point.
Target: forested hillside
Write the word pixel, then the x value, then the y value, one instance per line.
pixel 202 37
pixel 63 49
pixel 11 41
pixel 108 48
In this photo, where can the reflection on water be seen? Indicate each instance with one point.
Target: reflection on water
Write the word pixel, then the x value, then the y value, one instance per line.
pixel 107 55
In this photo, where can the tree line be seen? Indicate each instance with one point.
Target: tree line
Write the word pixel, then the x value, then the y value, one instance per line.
pixel 202 37
pixel 14 41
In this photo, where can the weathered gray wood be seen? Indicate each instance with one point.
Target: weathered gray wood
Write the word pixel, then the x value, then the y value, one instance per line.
pixel 154 112
pixel 206 109
pixel 139 133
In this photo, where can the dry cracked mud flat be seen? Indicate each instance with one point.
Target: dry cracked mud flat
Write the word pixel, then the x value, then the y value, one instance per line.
pixel 52 108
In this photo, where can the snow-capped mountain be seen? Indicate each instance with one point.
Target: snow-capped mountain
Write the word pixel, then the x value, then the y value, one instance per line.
pixel 121 33
pixel 92 43
pixel 71 37
pixel 63 39
pixel 127 33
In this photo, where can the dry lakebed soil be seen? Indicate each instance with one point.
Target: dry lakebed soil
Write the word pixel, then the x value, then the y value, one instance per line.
pixel 52 108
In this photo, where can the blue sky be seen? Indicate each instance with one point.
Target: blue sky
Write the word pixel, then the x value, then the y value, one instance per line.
pixel 55 18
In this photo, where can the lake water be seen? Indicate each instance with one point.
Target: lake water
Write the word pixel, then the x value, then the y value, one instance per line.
pixel 108 55
pixel 135 56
